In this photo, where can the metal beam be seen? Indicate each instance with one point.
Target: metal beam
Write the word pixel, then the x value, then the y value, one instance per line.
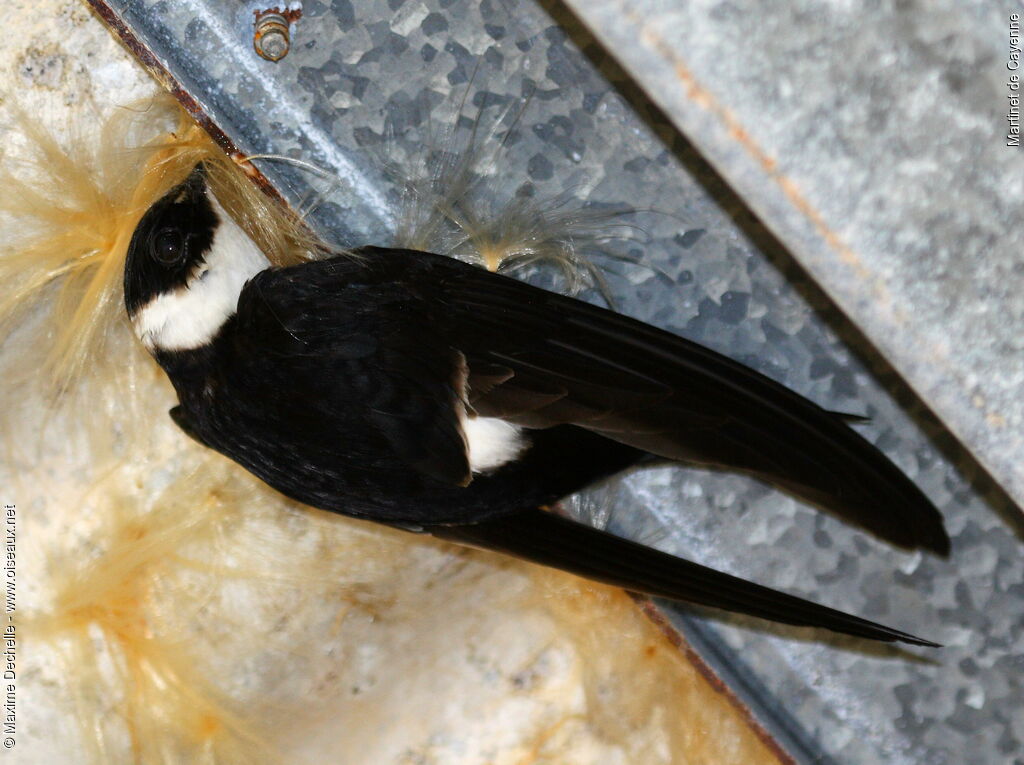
pixel 872 139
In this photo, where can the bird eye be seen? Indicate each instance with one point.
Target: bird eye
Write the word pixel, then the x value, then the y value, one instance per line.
pixel 168 246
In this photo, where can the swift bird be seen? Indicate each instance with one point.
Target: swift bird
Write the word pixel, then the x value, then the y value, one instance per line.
pixel 418 391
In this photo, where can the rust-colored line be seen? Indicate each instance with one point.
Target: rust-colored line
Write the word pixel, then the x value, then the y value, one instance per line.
pixel 657 618
pixel 162 75
pixel 704 98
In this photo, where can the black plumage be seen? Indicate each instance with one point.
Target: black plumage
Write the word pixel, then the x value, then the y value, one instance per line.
pixel 347 383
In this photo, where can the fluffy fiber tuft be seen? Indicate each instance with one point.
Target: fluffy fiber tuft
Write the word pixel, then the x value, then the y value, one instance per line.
pixel 70 208
pixel 451 202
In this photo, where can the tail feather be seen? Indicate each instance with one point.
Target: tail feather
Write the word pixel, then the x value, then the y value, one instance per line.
pixel 551 540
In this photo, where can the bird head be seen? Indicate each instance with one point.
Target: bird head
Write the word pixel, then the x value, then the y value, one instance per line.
pixel 187 263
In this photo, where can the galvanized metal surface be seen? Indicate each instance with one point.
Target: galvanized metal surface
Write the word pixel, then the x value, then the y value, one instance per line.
pixel 375 82
pixel 872 138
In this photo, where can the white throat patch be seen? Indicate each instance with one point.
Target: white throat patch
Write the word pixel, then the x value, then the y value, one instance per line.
pixel 191 316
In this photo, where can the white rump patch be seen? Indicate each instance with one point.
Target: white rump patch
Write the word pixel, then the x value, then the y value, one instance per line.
pixel 491 442
pixel 192 315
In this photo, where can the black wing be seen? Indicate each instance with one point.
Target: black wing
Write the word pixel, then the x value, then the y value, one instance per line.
pixel 545 538
pixel 541 359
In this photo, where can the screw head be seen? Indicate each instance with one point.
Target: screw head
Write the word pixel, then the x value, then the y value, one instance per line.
pixel 271 38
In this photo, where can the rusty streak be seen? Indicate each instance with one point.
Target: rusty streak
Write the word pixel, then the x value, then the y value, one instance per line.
pixel 657 618
pixel 162 75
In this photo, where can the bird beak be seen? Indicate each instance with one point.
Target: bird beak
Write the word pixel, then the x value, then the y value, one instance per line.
pixel 191 190
pixel 195 185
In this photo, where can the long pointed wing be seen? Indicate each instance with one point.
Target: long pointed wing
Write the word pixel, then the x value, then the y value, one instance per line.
pixel 548 539
pixel 540 359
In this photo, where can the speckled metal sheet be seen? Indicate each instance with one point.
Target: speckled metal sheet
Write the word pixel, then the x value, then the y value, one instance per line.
pixel 359 72
pixel 874 138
